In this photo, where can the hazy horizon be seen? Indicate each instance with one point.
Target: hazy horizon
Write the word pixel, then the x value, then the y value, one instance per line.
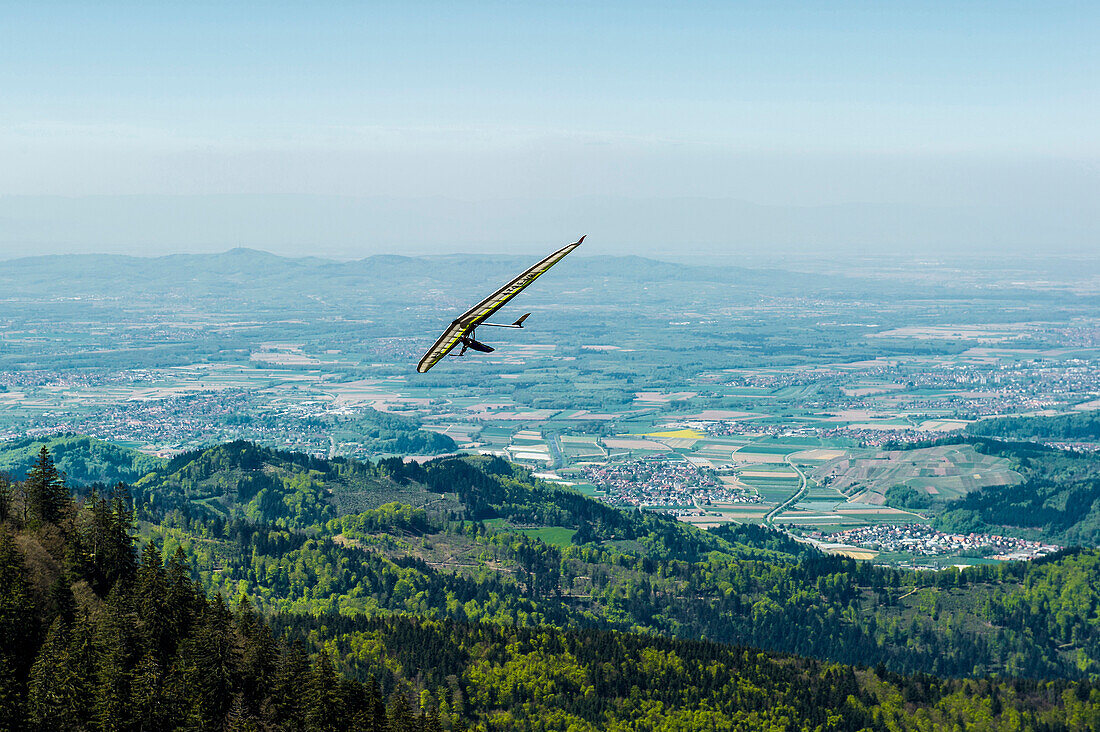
pixel 345 131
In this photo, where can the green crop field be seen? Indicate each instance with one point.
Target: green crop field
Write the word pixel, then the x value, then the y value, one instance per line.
pixel 766 448
pixel 587 489
pixel 556 535
pixel 775 494
pixel 771 482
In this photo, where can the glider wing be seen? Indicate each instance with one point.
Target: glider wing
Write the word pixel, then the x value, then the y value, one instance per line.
pixel 473 317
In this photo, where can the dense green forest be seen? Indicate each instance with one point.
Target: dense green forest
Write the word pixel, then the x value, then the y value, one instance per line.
pixel 908 497
pixel 458 538
pixel 98 631
pixel 1080 427
pixel 462 539
pixel 84 460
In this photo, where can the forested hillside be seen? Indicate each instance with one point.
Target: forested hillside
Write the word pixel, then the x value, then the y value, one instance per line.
pixel 83 459
pixel 1080 427
pixel 96 633
pixel 474 539
pixel 1058 499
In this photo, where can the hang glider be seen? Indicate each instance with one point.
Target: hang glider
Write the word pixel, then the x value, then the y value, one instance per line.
pixel 461 329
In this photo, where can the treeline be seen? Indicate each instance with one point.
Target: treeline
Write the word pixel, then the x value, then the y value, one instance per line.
pixel 588 679
pixel 84 460
pixel 241 480
pixel 1077 427
pixel 489 487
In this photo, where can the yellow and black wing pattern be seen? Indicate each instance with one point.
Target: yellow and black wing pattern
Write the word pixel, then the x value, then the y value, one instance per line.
pixel 470 319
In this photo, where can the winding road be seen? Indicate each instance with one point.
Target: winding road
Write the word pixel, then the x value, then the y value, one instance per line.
pixel 803 485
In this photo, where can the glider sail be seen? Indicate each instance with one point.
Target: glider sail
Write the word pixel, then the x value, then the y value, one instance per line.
pixel 461 328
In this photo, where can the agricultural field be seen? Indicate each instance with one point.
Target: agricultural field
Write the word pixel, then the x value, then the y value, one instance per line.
pixel 582 447
pixel 941 472
pixel 764 375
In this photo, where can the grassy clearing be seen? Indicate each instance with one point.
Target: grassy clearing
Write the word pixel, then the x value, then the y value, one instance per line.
pixel 587 489
pixel 582 453
pixel 721 454
pixel 556 535
pixel 775 494
pixel 771 482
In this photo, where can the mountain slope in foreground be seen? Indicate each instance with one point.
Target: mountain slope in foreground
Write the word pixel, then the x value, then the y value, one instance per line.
pixel 97 637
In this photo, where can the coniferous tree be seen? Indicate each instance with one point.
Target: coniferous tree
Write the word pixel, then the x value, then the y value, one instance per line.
pixel 12 696
pixel 111 710
pixel 152 704
pixel 121 536
pixel 101 550
pixel 45 488
pixel 323 708
pixel 61 602
pixel 216 658
pixel 240 717
pixel 258 654
pixel 151 603
pixel 400 714
pixel 182 595
pixel 18 629
pixel 6 496
pixel 375 706
pixel 285 709
pixel 54 687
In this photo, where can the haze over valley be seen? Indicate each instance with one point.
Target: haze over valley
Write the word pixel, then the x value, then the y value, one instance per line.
pixel 804 436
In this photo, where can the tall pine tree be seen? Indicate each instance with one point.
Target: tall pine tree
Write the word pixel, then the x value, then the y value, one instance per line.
pixel 18 628
pixel 45 488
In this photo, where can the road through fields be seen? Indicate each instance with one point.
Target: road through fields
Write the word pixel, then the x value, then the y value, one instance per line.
pixel 803 484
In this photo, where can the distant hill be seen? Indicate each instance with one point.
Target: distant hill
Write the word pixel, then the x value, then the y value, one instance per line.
pixel 1058 500
pixel 1079 427
pixel 243 481
pixel 383 433
pixel 252 275
pixel 84 460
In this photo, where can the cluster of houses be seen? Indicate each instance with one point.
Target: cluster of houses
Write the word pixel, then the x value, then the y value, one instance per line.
pixel 923 540
pixel 658 481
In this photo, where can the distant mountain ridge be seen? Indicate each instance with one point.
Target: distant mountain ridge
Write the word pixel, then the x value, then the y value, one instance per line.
pixel 244 272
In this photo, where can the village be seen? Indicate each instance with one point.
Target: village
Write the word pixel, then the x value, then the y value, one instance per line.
pixel 922 540
pixel 658 481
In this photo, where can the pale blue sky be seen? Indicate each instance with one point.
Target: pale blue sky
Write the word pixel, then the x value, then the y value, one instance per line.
pixel 907 108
